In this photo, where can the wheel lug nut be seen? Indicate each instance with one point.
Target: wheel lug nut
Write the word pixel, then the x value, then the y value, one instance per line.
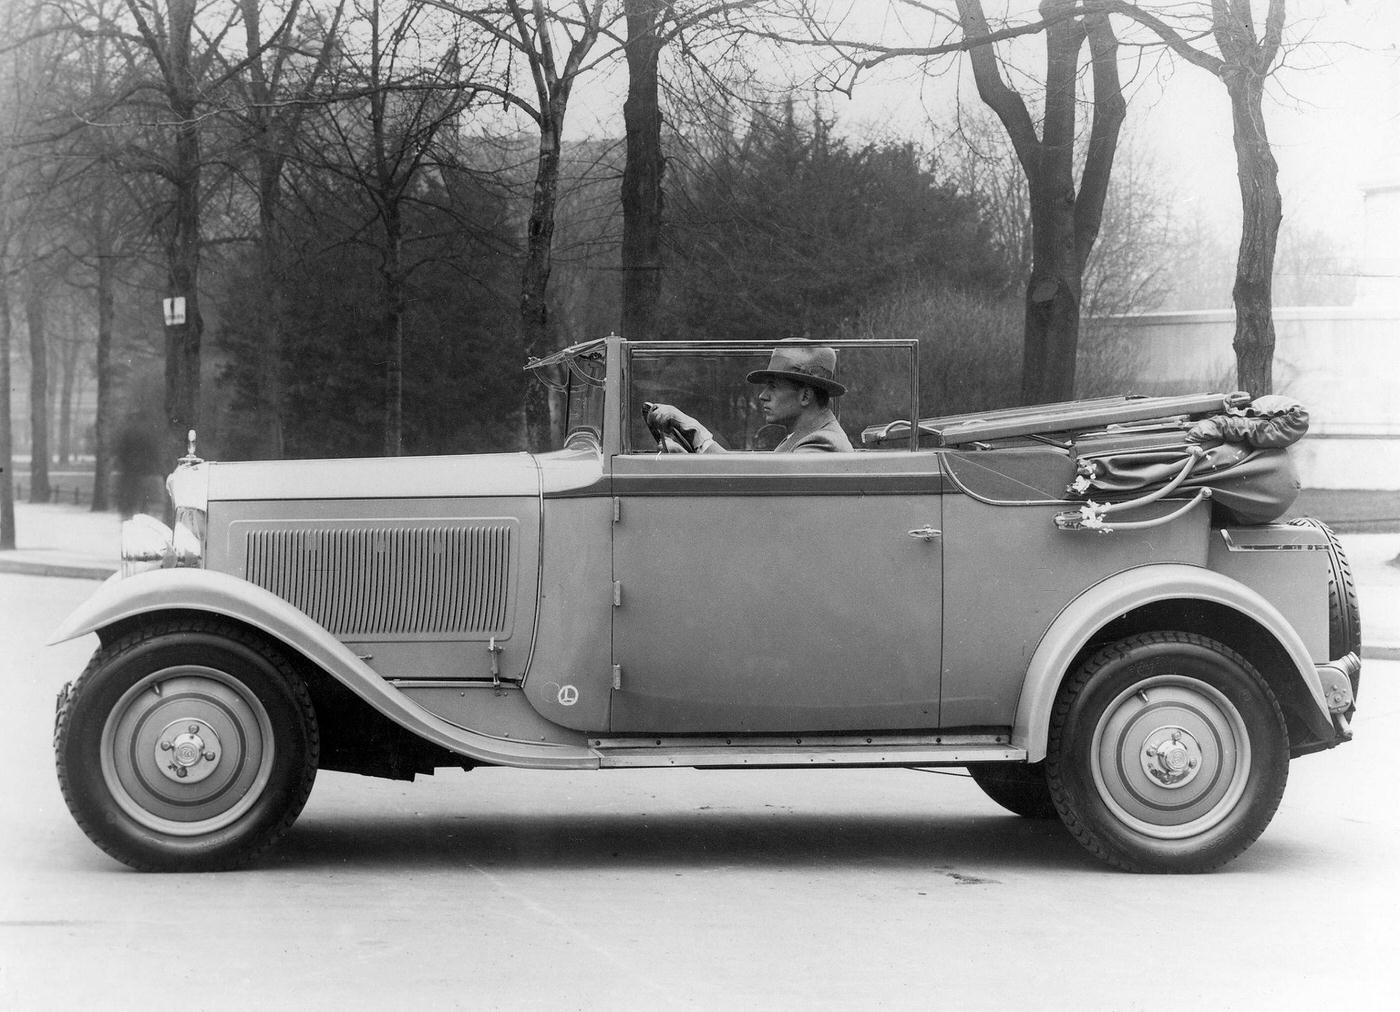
pixel 165 746
pixel 194 729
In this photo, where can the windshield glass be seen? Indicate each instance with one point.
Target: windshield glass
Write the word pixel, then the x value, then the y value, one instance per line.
pixel 574 379
pixel 710 383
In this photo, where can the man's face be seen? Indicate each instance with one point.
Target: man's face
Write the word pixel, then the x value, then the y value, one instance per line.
pixel 781 401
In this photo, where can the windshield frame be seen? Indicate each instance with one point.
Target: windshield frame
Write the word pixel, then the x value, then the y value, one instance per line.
pixel 564 372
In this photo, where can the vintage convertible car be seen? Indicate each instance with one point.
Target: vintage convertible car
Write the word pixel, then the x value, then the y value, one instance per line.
pixel 1092 606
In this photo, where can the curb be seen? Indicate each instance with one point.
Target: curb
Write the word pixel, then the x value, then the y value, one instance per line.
pixel 25 568
pixel 1380 653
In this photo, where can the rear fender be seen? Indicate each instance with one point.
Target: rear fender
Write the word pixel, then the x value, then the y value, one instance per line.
pixel 164 590
pixel 1125 592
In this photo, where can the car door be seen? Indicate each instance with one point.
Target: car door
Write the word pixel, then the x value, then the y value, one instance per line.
pixel 765 592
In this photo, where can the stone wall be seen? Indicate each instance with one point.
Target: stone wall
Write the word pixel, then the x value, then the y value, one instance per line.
pixel 1342 362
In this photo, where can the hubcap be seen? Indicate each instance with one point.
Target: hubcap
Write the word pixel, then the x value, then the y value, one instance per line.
pixel 187 750
pixel 1170 757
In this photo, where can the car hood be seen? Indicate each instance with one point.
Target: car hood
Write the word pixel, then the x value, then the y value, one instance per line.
pixel 485 474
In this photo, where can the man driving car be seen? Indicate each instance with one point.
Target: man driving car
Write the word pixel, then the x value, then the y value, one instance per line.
pixel 798 386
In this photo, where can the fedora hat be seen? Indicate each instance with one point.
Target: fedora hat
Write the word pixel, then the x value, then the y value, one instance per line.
pixel 799 360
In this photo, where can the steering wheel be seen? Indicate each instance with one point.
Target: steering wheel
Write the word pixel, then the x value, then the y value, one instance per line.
pixel 669 439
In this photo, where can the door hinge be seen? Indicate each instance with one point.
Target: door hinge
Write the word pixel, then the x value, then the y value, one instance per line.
pixel 617 593
pixel 617 510
pixel 617 676
pixel 495 652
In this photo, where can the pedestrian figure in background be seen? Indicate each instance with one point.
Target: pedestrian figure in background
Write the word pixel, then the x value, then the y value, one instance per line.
pixel 136 453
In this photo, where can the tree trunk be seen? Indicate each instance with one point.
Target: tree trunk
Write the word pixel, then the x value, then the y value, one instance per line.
pixel 68 382
pixel 393 332
pixel 34 309
pixel 7 444
pixel 642 199
pixel 270 270
pixel 1263 211
pixel 1053 292
pixel 534 280
pixel 102 432
pixel 182 341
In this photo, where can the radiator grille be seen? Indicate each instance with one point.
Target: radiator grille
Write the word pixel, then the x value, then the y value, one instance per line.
pixel 402 581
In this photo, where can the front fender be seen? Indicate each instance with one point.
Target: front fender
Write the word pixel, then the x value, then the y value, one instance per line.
pixel 1119 595
pixel 215 593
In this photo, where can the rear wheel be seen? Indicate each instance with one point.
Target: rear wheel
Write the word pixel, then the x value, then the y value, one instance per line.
pixel 1020 788
pixel 186 746
pixel 1168 753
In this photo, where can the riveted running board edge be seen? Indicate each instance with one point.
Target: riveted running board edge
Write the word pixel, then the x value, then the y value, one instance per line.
pixel 797 752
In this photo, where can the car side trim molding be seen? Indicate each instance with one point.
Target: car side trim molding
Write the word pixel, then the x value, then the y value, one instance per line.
pixel 805 751
pixel 214 593
pixel 1123 593
pixel 747 484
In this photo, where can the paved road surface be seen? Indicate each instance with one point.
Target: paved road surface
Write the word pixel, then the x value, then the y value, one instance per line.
pixel 502 889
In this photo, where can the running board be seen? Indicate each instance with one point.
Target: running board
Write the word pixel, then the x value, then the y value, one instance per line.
pixel 806 751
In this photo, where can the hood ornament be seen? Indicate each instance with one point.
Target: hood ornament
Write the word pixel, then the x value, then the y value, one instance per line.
pixel 191 458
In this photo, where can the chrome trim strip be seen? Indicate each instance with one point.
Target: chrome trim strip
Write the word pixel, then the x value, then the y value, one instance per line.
pixel 1234 546
pixel 803 756
pixel 927 483
pixel 874 740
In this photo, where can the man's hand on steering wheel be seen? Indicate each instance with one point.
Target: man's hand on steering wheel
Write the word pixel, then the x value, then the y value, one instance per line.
pixel 672 427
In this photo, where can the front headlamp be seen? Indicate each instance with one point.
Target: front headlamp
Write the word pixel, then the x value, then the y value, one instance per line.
pixel 147 543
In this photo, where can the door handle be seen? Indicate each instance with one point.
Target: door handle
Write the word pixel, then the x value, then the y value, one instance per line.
pixel 926 533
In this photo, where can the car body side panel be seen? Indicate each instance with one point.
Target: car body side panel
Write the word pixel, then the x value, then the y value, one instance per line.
pixel 1122 593
pixel 197 590
pixel 423 588
pixel 1008 572
pixel 570 676
pixel 777 592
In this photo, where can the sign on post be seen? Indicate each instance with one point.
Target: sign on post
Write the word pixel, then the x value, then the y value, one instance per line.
pixel 174 310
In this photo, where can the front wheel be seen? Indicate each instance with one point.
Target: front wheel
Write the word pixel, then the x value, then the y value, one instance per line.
pixel 186 746
pixel 1168 752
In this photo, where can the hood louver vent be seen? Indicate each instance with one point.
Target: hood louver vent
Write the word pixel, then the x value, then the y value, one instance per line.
pixel 391 582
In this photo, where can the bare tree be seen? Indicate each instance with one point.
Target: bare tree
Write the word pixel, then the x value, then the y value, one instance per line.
pixel 555 45
pixel 1066 212
pixel 27 246
pixel 395 99
pixel 107 219
pixel 277 88
pixel 1243 60
pixel 1065 218
pixel 652 25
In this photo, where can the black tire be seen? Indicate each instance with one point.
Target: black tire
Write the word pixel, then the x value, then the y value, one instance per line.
pixel 186 746
pixel 1168 752
pixel 1020 788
